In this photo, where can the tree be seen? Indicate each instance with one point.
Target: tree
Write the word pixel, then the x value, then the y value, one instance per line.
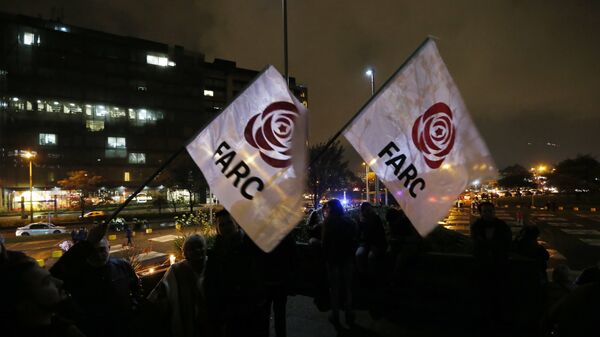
pixel 329 172
pixel 515 176
pixel 83 182
pixel 187 175
pixel 576 175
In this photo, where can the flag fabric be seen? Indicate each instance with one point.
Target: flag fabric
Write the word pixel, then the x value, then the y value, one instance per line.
pixel 253 156
pixel 417 136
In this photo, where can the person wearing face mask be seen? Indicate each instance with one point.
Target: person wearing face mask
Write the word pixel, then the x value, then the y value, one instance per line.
pixel 30 299
pixel 105 290
pixel 182 290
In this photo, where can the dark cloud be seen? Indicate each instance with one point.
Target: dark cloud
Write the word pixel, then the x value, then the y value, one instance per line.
pixel 528 70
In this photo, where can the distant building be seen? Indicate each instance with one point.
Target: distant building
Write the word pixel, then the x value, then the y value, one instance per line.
pixel 113 105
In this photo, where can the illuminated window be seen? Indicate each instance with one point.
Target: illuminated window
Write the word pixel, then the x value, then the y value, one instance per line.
pixel 29 106
pixel 116 112
pixel 116 142
pixel 88 109
pixel 137 158
pixel 131 114
pixel 126 176
pixel 209 93
pixel 94 125
pixel 100 111
pixel 47 139
pixel 61 28
pixel 157 60
pixel 142 114
pixel 29 39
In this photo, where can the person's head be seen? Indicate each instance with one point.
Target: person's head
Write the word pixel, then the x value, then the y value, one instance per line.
pixel 100 255
pixel 366 209
pixel 226 225
pixel 560 274
pixel 314 218
pixel 333 208
pixel 487 210
pixel 28 289
pixel 194 250
pixel 588 275
pixel 530 234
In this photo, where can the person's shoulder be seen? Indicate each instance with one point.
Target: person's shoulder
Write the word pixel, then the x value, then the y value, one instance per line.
pixel 119 262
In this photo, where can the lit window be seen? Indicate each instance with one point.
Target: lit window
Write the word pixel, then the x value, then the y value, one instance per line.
pixel 29 106
pixel 209 93
pixel 126 176
pixel 171 64
pixel 157 60
pixel 142 114
pixel 61 28
pixel 88 109
pixel 116 142
pixel 94 125
pixel 131 114
pixel 47 139
pixel 100 111
pixel 116 112
pixel 137 158
pixel 29 39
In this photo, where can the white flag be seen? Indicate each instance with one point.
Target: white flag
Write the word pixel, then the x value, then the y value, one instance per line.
pixel 253 156
pixel 419 139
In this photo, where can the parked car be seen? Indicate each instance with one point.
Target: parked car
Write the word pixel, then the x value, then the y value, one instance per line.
pixel 39 228
pixel 117 224
pixel 93 214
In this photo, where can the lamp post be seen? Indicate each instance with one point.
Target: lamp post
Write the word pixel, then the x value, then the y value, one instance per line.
pixel 366 180
pixel 371 74
pixel 30 155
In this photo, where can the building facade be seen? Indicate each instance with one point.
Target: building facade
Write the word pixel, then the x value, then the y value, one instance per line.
pixel 111 105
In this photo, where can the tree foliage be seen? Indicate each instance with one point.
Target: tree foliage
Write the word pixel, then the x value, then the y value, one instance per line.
pixel 81 181
pixel 579 174
pixel 329 172
pixel 515 176
pixel 186 175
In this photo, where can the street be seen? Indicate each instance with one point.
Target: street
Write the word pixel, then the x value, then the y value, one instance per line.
pixel 571 237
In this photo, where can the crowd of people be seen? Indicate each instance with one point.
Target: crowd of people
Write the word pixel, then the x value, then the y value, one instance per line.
pixel 234 289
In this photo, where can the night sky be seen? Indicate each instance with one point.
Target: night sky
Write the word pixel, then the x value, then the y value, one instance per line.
pixel 529 71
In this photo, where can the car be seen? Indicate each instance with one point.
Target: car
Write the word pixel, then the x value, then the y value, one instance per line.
pixel 117 224
pixel 93 214
pixel 40 228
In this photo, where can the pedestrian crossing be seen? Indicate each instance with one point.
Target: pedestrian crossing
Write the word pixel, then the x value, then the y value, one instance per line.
pixel 164 238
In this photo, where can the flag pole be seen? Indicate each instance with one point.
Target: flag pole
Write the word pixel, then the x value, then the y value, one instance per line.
pixel 285 42
pixel 384 86
pixel 173 156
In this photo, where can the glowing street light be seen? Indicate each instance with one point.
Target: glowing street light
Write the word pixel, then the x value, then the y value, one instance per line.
pixel 29 155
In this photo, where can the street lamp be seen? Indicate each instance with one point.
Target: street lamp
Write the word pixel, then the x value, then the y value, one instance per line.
pixel 29 155
pixel 371 74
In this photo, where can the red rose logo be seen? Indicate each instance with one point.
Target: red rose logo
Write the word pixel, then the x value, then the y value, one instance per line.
pixel 433 134
pixel 271 133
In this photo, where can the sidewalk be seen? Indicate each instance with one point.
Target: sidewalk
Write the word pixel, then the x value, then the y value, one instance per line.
pixel 304 320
